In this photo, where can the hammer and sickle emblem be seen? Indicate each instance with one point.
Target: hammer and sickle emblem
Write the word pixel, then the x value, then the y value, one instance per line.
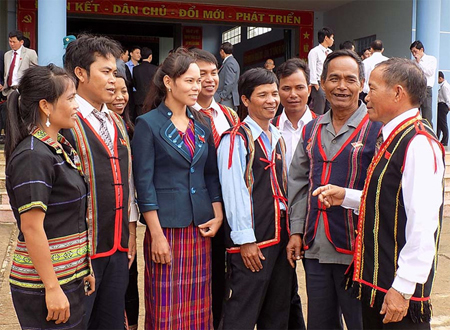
pixel 27 19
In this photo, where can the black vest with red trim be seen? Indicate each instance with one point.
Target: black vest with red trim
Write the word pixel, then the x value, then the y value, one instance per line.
pixel 108 187
pixel 382 223
pixel 230 115
pixel 267 184
pixel 347 168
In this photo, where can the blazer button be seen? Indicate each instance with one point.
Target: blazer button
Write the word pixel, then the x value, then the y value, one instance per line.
pixel 169 113
pixel 192 190
pixel 192 170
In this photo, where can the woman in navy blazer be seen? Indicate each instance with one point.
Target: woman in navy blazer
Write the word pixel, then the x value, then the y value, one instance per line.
pixel 178 192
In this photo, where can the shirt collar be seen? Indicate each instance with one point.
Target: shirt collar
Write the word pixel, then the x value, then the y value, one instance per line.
pixel 390 126
pixel 226 58
pixel 323 48
pixel 214 105
pixel 85 108
pixel 353 121
pixel 257 130
pixel 307 117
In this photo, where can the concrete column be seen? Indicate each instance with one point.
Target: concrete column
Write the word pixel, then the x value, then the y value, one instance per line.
pixel 52 28
pixel 428 24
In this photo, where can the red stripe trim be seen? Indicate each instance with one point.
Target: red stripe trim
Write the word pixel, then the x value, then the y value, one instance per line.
pixel 385 291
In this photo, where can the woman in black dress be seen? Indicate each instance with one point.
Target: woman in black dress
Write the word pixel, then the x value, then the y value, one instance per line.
pixel 50 272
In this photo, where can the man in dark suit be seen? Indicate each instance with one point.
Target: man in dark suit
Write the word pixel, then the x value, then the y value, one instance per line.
pixel 2 100
pixel 227 93
pixel 142 78
pixel 17 60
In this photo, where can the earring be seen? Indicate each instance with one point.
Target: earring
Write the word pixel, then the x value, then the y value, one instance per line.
pixel 47 123
pixel 170 90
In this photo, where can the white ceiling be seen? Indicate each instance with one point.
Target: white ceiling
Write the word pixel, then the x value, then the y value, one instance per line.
pixel 314 5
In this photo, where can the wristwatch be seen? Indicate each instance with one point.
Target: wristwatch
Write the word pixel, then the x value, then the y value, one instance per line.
pixel 406 296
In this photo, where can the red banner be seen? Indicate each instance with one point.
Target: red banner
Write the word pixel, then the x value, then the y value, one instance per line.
pixel 306 41
pixel 192 11
pixel 26 20
pixel 192 36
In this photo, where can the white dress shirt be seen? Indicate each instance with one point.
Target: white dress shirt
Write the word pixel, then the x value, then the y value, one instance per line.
pixel 369 65
pixel 422 194
pixel 291 135
pixel 86 109
pixel 428 64
pixel 15 79
pixel 220 121
pixel 444 93
pixel 316 57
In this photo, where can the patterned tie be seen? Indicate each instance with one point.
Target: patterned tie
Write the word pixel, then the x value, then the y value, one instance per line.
pixel 11 70
pixel 378 143
pixel 208 113
pixel 101 116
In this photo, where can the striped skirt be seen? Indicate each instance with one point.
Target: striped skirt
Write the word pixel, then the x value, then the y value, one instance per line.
pixel 179 296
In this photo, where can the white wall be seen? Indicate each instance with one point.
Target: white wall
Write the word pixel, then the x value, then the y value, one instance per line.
pixel 390 21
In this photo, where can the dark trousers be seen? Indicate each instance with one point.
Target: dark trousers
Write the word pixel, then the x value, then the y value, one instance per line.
pixel 327 298
pixel 442 123
pixel 320 104
pixel 261 298
pixel 218 275
pixel 296 320
pixel 373 320
pixel 425 107
pixel 105 308
pixel 132 295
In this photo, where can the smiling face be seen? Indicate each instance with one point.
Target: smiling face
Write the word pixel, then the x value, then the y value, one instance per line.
pixel 263 103
pixel 63 112
pixel 342 85
pixel 185 88
pixel 209 78
pixel 120 97
pixel 98 86
pixel 136 55
pixel 294 92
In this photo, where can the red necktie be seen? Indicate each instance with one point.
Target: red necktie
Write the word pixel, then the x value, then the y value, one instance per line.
pixel 11 70
pixel 208 113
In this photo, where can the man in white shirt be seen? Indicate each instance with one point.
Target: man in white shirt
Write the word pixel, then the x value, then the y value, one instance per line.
pixel 428 64
pixel 316 57
pixel 101 141
pixel 400 206
pixel 443 108
pixel 376 48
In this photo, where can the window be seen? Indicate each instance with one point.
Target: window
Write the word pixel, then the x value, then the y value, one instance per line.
pixel 232 36
pixel 254 31
pixel 363 43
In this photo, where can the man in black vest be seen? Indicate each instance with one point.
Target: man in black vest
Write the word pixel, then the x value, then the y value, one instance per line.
pixel 101 141
pixel 400 207
pixel 252 167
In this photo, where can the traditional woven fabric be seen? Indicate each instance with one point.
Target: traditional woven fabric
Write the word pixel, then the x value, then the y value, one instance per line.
pixel 189 137
pixel 208 113
pixel 378 143
pixel 101 116
pixel 179 296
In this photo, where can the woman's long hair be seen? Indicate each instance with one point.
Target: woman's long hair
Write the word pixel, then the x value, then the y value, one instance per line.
pixel 126 112
pixel 38 83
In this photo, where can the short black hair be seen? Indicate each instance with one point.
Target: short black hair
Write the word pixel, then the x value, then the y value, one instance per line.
pixel 146 52
pixel 324 32
pixel 417 44
pixel 16 33
pixel 291 66
pixel 83 51
pixel 347 45
pixel 133 48
pixel 340 53
pixel 227 47
pixel 441 75
pixel 377 45
pixel 253 78
pixel 402 71
pixel 204 56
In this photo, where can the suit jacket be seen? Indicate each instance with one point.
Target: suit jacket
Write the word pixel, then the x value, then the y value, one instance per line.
pixel 181 189
pixel 228 81
pixel 142 77
pixel 27 58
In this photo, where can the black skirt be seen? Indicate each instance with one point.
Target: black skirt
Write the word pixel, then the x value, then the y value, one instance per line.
pixel 31 308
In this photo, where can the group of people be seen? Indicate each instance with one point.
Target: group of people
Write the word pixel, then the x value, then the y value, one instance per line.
pixel 269 190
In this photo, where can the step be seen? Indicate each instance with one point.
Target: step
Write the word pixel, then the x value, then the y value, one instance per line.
pixel 6 214
pixel 4 198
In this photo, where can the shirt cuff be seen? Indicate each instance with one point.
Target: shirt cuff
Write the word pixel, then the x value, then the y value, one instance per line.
pixel 243 236
pixel 352 199
pixel 297 226
pixel 134 212
pixel 404 286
